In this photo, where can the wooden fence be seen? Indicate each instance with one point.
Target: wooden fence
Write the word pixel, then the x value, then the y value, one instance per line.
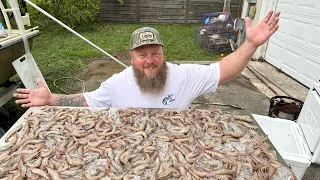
pixel 162 11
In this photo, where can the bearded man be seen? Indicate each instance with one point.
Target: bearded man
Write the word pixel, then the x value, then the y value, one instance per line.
pixel 151 82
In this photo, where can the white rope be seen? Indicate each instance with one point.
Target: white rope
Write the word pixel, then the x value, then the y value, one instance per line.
pixel 73 31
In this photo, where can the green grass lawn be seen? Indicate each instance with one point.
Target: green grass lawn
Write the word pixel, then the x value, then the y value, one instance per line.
pixel 60 53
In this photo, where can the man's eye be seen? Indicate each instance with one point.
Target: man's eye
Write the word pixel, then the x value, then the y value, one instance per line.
pixel 142 55
pixel 156 54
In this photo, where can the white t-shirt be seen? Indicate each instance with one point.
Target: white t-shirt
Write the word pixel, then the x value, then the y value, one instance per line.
pixel 185 83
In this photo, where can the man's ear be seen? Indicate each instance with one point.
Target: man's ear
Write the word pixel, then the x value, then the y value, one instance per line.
pixel 131 57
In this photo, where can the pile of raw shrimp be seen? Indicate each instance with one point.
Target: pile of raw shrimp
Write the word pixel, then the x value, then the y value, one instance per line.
pixel 81 143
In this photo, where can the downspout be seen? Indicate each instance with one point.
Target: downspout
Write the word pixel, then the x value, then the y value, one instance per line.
pixel 240 8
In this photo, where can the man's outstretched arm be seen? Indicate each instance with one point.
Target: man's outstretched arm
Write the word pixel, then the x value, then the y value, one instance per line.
pixel 233 64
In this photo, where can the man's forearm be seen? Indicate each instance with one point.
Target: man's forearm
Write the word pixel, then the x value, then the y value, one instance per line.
pixel 67 100
pixel 233 64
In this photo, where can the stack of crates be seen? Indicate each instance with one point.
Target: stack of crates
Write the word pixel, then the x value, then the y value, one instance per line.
pixel 216 33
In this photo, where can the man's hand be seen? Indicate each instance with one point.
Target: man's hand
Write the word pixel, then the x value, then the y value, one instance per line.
pixel 259 34
pixel 33 97
pixel 233 64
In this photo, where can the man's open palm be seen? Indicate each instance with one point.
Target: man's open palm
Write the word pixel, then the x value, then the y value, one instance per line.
pixel 259 34
pixel 33 97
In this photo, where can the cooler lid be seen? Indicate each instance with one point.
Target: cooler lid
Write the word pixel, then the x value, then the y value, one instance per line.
pixel 287 138
pixel 309 118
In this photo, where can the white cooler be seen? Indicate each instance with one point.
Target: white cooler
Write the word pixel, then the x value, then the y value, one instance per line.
pixel 297 142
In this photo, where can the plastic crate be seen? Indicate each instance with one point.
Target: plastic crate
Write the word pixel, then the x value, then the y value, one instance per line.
pixel 217 23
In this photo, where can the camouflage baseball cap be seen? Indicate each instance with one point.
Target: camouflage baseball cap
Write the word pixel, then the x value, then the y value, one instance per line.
pixel 144 36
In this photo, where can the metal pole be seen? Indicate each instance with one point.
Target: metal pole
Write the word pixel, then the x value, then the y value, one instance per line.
pixel 74 32
pixel 25 66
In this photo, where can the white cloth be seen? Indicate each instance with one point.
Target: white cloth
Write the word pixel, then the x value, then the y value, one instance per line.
pixel 185 82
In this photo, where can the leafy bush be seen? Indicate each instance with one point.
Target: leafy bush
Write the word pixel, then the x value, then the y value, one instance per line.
pixel 70 12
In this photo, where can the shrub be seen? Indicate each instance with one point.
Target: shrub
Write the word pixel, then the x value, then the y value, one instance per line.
pixel 70 12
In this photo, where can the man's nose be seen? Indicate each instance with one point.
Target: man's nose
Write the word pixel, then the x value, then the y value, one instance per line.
pixel 149 59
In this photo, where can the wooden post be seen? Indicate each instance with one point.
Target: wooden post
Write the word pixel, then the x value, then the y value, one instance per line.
pixel 226 6
pixel 138 11
pixel 240 8
pixel 186 12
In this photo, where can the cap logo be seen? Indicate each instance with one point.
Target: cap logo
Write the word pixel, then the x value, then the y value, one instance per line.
pixel 144 36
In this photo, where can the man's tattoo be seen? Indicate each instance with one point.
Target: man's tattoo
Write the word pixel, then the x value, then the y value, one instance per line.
pixel 73 100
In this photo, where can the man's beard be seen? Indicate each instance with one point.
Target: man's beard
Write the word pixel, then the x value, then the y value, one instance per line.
pixel 152 85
